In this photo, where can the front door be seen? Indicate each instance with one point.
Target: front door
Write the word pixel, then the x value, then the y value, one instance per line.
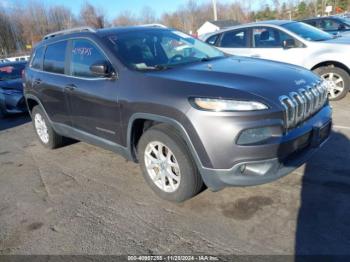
pixel 93 99
pixel 267 43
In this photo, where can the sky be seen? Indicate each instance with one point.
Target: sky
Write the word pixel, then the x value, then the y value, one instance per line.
pixel 113 7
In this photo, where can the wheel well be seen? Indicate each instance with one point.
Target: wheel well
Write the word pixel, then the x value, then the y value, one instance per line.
pixel 31 103
pixel 332 64
pixel 139 126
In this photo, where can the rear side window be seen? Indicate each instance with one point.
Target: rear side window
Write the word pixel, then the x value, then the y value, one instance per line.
pixel 311 22
pixel 85 54
pixel 37 60
pixel 235 39
pixel 54 57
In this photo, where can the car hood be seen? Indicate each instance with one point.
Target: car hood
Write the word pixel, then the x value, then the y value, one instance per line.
pixel 266 79
pixel 15 84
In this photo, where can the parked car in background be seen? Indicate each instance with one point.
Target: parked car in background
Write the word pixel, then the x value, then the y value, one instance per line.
pixel 291 42
pixel 4 60
pixel 331 24
pixel 184 110
pixel 18 58
pixel 11 88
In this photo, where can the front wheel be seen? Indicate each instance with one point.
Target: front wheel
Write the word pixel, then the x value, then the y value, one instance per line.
pixel 167 165
pixel 339 81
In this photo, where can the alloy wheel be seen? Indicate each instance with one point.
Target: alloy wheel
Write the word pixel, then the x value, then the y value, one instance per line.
pixel 335 86
pixel 162 166
pixel 41 128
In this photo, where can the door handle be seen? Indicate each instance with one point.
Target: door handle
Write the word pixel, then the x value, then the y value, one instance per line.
pixel 70 87
pixel 37 81
pixel 256 56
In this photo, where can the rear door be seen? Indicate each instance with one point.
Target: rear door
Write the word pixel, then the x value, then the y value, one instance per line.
pixel 93 100
pixel 50 82
pixel 235 42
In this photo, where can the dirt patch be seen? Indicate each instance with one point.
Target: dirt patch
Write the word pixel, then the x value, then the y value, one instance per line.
pixel 4 153
pixel 35 226
pixel 245 208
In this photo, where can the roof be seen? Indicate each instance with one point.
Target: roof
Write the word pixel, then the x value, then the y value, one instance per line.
pixel 274 22
pixel 121 29
pixel 224 23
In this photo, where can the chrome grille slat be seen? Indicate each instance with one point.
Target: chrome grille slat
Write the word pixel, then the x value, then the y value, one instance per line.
pixel 298 106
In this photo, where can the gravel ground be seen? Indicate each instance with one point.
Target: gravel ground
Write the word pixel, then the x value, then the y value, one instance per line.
pixel 81 199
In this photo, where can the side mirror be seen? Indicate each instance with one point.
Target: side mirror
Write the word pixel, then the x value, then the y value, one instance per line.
pixel 288 43
pixel 102 70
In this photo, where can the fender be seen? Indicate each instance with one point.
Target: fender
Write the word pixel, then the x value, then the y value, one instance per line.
pixel 36 99
pixel 167 120
pixel 205 172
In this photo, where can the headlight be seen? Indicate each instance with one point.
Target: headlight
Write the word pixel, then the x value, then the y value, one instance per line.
pixel 222 105
pixel 255 135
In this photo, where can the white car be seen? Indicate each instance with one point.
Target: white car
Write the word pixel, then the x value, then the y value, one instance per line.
pixel 291 42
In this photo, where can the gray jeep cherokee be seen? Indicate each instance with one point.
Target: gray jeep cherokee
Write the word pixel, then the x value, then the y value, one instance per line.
pixel 191 116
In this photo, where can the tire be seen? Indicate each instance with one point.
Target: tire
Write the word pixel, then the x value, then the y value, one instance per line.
pixel 47 136
pixel 338 90
pixel 189 182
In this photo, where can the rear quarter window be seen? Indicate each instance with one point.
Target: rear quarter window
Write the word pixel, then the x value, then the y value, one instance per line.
pixel 54 59
pixel 37 60
pixel 212 40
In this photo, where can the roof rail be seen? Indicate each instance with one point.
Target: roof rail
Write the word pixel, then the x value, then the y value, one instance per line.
pixel 154 25
pixel 68 31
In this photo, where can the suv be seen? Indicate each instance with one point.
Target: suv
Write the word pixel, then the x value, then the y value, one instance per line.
pixel 190 115
pixel 291 42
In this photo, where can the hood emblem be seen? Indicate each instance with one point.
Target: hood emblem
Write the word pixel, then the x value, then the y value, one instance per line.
pixel 300 82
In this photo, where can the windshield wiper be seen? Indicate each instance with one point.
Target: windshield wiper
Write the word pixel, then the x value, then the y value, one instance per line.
pixel 153 68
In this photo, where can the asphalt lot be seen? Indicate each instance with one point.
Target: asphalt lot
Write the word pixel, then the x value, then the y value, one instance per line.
pixel 80 199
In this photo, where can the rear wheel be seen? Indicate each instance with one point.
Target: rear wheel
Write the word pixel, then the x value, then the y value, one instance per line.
pixel 47 136
pixel 167 165
pixel 339 81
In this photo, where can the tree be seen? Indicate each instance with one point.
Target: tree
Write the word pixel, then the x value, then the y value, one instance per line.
pixel 125 18
pixel 147 15
pixel 91 16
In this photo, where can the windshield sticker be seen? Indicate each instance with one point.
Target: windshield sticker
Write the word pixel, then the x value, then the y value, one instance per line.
pixel 84 51
pixel 180 34
pixel 141 66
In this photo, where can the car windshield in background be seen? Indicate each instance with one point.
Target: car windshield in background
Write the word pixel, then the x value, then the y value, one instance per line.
pixel 160 49
pixel 307 32
pixel 345 20
pixel 10 72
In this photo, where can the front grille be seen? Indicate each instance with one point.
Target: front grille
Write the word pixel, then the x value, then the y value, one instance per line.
pixel 298 106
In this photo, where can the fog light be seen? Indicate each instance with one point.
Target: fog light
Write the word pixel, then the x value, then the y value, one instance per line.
pixel 254 135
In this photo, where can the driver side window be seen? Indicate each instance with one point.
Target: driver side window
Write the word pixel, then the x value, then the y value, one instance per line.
pixel 267 37
pixel 329 24
pixel 85 54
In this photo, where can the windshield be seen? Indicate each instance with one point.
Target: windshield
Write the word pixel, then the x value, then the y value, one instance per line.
pixel 10 72
pixel 160 49
pixel 307 32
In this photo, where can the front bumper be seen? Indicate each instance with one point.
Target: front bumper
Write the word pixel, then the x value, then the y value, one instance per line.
pixel 294 150
pixel 12 103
